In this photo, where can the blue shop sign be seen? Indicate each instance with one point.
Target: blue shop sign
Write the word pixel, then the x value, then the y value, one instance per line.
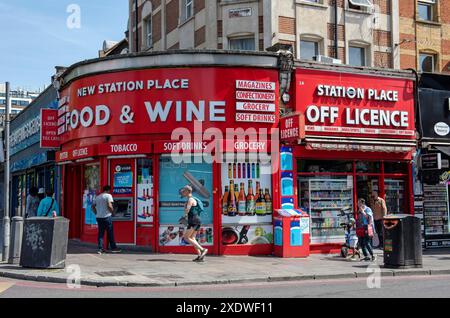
pixel 26 135
pixel 29 162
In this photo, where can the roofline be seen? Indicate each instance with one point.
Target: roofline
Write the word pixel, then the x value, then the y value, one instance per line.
pixel 342 68
pixel 171 58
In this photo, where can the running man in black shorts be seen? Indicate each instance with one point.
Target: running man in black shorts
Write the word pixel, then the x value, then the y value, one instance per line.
pixel 194 223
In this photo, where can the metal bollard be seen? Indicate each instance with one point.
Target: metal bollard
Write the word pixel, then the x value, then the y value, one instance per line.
pixel 6 238
pixel 16 240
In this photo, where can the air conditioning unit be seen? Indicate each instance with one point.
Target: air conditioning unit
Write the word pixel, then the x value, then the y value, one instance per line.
pixel 326 59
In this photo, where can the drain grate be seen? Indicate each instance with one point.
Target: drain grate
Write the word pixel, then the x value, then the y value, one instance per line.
pixel 114 273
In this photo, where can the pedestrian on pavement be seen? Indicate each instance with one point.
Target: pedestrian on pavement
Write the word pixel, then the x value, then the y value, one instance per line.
pixel 192 210
pixel 379 212
pixel 365 229
pixel 103 208
pixel 48 207
pixel 32 203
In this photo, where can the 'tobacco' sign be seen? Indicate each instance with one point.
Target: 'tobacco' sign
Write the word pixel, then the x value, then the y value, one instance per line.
pixel 352 104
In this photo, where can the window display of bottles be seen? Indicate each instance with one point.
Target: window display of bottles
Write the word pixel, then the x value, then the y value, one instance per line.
pixel 246 193
pixel 436 209
pixel 325 200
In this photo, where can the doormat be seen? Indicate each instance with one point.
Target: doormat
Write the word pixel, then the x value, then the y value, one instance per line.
pixel 114 273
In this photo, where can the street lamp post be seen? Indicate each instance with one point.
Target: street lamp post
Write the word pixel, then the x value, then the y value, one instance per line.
pixel 6 219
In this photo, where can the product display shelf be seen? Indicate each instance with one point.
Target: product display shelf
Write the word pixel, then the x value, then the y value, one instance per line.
pixel 436 209
pixel 324 200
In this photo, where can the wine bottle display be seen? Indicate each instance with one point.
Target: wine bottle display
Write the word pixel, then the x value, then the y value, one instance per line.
pixel 268 200
pixel 250 200
pixel 232 208
pixel 260 204
pixel 242 201
pixel 225 201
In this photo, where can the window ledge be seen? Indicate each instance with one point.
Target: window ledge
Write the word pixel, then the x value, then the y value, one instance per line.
pixel 418 20
pixel 358 11
pixel 186 21
pixel 311 4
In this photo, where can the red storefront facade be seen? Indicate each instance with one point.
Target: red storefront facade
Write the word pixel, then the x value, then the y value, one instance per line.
pixel 357 136
pixel 148 125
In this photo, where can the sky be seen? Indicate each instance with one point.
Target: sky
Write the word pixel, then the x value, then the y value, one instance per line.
pixel 37 35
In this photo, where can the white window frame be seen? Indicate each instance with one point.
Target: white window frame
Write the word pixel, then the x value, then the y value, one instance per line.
pixel 432 5
pixel 188 9
pixel 433 61
pixel 149 32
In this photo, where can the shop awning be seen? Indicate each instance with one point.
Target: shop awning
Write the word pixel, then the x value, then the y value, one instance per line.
pixel 360 144
pixel 443 149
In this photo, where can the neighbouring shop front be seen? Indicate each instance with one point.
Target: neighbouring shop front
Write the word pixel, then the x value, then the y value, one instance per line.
pixel 149 124
pixel 434 174
pixel 32 160
pixel 355 135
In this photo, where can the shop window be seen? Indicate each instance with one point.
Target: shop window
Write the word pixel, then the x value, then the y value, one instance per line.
pixel 427 62
pixel 357 56
pixel 174 174
pixel 368 167
pixel 145 197
pixel 395 167
pixel 327 200
pixel 246 203
pixel 426 10
pixel 244 44
pixel 309 49
pixel 313 166
pixel 91 189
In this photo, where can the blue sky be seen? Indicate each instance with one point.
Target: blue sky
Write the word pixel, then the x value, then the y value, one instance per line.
pixel 35 36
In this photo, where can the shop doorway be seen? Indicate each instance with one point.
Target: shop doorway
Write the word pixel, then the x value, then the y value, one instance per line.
pixel 72 202
pixel 365 186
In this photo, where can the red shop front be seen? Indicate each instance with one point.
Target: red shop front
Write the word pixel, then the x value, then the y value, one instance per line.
pixel 354 135
pixel 149 131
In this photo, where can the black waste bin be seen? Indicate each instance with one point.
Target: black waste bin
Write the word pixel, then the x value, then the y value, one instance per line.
pixel 44 243
pixel 402 241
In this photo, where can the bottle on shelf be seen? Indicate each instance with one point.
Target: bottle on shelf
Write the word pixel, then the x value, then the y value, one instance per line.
pixel 236 192
pixel 251 204
pixel 258 172
pixel 225 201
pixel 253 171
pixel 242 201
pixel 232 208
pixel 268 200
pixel 257 190
pixel 234 171
pixel 244 170
pixel 230 172
pixel 260 204
pixel 239 171
pixel 249 176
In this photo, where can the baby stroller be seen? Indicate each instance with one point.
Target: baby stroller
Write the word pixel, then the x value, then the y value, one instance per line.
pixel 349 238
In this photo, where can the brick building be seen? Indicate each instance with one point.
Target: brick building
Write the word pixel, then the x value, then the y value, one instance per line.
pixel 367 30
pixel 425 35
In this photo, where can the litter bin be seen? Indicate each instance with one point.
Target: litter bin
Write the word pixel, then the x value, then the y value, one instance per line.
pixel 44 242
pixel 291 233
pixel 402 241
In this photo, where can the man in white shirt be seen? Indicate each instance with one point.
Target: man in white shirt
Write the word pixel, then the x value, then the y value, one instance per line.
pixel 103 208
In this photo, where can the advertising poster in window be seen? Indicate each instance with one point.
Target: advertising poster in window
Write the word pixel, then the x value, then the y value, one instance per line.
pixel 123 179
pixel 246 203
pixel 172 235
pixel 173 177
pixel 91 185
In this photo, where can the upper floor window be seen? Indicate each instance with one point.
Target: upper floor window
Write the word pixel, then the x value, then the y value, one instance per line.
pixel 426 10
pixel 309 49
pixel 149 31
pixel 188 9
pixel 360 4
pixel 246 44
pixel 356 56
pixel 427 62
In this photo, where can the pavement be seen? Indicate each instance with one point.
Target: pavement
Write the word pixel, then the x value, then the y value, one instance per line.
pixel 143 269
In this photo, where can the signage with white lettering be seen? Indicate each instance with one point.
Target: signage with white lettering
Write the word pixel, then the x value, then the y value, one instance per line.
pixel 256 118
pixel 255 107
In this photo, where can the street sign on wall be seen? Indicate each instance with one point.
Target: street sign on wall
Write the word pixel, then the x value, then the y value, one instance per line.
pixel 49 128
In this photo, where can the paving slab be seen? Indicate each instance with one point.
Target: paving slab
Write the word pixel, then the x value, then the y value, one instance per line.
pixel 134 268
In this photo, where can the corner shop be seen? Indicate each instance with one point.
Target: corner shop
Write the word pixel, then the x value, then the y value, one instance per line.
pixel 124 136
pixel 433 184
pixel 348 147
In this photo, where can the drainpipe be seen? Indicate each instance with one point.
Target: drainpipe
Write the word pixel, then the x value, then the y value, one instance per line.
pixel 136 17
pixel 336 54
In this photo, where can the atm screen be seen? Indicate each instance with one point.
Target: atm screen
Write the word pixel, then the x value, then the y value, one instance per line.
pixel 123 209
